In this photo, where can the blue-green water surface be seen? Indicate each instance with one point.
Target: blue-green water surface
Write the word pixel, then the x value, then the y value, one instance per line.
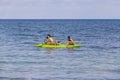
pixel 98 58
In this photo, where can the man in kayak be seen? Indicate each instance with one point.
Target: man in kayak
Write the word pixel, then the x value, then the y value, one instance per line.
pixel 49 40
pixel 70 41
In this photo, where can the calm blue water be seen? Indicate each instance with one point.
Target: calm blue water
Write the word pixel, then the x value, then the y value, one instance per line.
pixel 97 59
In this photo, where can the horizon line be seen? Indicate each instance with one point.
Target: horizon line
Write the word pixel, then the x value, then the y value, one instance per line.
pixel 59 19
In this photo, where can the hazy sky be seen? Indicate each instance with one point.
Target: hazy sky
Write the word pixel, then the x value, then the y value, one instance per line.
pixel 59 9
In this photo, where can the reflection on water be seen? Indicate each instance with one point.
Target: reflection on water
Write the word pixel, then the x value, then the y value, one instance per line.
pixel 50 51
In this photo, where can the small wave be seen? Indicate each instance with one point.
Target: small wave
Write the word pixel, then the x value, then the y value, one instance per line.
pixel 7 78
pixel 95 47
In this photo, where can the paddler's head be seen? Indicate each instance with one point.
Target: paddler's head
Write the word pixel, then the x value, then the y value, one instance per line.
pixel 48 35
pixel 68 38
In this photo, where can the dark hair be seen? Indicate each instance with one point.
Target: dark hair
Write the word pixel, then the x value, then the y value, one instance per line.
pixel 49 35
pixel 68 38
pixel 58 41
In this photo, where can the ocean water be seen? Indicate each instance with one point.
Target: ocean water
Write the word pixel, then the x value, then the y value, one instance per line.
pixel 98 58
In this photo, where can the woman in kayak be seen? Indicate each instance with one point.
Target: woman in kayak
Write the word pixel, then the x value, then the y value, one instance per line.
pixel 49 39
pixel 70 41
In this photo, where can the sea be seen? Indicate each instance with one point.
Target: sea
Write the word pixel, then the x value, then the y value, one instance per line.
pixel 98 57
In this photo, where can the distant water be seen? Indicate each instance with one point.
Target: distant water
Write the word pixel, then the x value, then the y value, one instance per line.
pixel 97 59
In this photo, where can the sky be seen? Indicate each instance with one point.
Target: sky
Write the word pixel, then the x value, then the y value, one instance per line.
pixel 59 9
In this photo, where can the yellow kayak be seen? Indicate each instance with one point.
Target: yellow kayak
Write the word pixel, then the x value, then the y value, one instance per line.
pixel 57 46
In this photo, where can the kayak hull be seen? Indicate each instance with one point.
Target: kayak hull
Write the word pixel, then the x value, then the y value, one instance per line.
pixel 57 46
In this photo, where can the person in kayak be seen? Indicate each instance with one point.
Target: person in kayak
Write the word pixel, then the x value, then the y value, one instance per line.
pixel 70 41
pixel 50 40
pixel 58 43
